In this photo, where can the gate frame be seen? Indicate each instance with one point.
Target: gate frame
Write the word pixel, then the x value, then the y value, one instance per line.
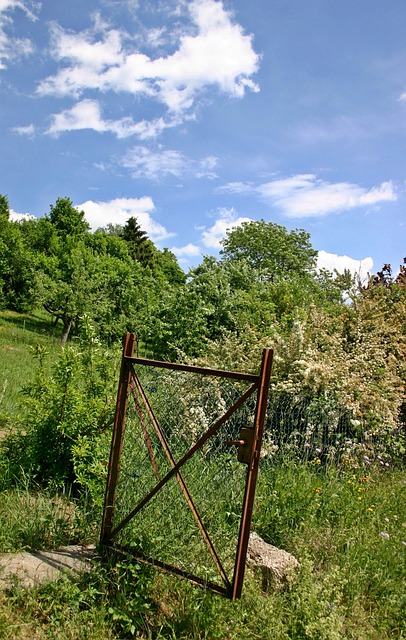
pixel 261 384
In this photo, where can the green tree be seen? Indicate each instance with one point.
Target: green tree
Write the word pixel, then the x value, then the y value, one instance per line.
pixel 140 246
pixel 67 220
pixel 271 248
pixel 167 265
pixel 17 282
pixel 4 207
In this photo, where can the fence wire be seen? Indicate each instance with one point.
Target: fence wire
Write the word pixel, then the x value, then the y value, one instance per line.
pixel 185 406
pixel 306 427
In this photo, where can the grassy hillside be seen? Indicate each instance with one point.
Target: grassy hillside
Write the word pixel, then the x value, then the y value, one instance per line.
pixel 20 337
pixel 346 526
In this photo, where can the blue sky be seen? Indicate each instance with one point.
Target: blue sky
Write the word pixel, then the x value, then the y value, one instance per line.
pixel 194 115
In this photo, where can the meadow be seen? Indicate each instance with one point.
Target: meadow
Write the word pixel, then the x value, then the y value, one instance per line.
pixel 345 523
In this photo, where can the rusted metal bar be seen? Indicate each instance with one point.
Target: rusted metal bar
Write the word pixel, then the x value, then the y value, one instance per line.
pixel 250 486
pixel 184 459
pixel 145 432
pixel 117 438
pixel 164 443
pixel 235 375
pixel 170 569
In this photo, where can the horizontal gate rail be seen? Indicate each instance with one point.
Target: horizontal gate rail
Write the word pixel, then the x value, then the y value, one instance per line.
pixel 204 371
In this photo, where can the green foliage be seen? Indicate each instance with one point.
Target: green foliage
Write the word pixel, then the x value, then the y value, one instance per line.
pixel 167 266
pixel 4 207
pixel 70 410
pixel 67 220
pixel 271 248
pixel 17 289
pixel 140 246
pixel 19 335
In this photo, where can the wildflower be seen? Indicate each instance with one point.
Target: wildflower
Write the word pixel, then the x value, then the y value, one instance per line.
pixel 386 519
pixel 307 444
pixel 384 534
pixel 404 543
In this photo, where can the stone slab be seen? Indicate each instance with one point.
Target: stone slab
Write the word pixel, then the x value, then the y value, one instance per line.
pixel 33 568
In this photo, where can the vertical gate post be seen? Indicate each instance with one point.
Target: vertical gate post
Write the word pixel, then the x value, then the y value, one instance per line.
pixel 251 482
pixel 117 438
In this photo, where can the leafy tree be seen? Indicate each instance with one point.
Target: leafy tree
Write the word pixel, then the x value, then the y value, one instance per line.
pixel 271 248
pixel 4 207
pixel 17 290
pixel 67 220
pixel 167 265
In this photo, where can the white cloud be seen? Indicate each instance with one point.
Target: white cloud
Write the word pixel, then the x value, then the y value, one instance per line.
pixel 86 114
pixel 189 250
pixel 18 217
pixel 305 195
pixel 117 211
pixel 402 98
pixel 146 163
pixel 228 219
pixel 29 130
pixel 331 261
pixel 212 51
pixel 12 48
pixel 29 7
pixel 81 50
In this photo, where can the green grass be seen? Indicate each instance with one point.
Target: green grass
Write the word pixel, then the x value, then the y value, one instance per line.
pixel 20 335
pixel 350 585
pixel 36 520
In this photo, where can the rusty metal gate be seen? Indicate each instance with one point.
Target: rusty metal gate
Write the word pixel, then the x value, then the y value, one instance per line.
pixel 183 468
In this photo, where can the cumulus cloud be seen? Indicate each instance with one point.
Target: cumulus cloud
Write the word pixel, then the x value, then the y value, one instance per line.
pixel 212 50
pixel 87 114
pixel 306 195
pixel 10 47
pixel 189 250
pixel 119 210
pixel 331 262
pixel 227 219
pixel 147 163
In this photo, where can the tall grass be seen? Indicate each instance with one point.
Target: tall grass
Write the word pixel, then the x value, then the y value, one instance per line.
pixel 20 336
pixel 346 528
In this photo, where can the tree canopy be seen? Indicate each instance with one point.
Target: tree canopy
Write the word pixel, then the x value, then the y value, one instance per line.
pixel 271 248
pixel 332 337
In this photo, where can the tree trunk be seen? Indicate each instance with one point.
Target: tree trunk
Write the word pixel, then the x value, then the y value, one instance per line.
pixel 67 324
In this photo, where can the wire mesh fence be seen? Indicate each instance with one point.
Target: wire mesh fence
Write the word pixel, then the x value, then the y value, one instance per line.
pixel 317 428
pixel 180 408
